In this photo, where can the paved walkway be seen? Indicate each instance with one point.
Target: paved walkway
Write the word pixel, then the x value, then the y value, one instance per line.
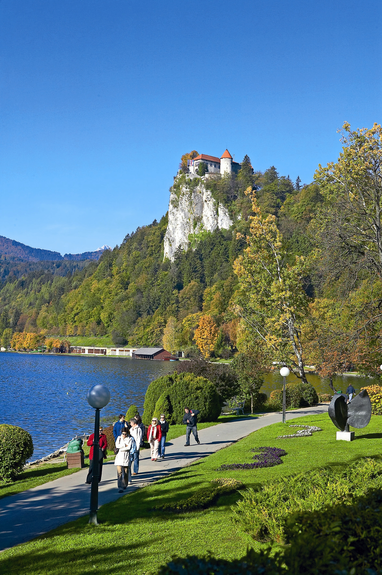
pixel 36 511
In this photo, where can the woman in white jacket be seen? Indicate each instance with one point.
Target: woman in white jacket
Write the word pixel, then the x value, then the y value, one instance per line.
pixel 125 444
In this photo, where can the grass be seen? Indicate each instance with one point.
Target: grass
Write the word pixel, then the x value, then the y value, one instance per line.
pixel 104 341
pixel 132 536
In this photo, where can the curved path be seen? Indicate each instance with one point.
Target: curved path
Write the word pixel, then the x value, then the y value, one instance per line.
pixel 36 511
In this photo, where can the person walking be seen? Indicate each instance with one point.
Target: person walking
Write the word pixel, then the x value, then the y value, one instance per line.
pixel 136 432
pixel 138 419
pixel 164 427
pixel 350 392
pixel 190 419
pixel 154 435
pixel 119 426
pixel 125 445
pixel 102 442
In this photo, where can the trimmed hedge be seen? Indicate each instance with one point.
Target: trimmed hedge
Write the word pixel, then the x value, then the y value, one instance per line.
pixel 170 394
pixel 16 447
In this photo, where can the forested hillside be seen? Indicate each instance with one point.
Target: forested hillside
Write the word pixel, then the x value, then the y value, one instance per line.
pixel 296 278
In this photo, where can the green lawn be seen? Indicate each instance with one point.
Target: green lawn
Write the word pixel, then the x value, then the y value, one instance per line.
pixel 134 537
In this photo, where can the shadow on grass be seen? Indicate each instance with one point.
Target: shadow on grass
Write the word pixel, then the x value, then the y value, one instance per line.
pixel 369 436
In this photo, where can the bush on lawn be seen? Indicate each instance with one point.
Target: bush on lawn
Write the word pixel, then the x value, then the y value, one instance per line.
pixel 177 391
pixel 375 394
pixel 131 412
pixel 16 447
pixel 262 513
pixel 337 539
pixel 163 405
pixel 108 431
pixel 153 393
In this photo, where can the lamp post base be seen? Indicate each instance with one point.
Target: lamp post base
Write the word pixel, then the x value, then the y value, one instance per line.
pixel 93 518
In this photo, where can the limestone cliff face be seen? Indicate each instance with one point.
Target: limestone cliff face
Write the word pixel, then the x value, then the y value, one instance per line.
pixel 192 209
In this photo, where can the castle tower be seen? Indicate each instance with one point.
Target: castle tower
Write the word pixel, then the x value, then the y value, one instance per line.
pixel 226 163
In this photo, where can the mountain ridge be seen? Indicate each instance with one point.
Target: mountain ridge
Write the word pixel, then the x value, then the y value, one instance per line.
pixel 17 251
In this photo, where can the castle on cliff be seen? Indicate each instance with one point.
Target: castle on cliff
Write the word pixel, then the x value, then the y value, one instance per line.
pixel 222 165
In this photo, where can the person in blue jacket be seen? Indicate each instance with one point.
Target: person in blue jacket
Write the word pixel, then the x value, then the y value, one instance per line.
pixel 119 426
pixel 190 419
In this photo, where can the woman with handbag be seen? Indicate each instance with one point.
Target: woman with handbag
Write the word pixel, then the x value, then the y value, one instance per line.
pixel 125 445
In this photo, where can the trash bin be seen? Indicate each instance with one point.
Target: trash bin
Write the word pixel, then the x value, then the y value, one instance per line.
pixel 75 454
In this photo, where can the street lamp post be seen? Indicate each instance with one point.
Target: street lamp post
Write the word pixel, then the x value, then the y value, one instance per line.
pixel 98 397
pixel 284 372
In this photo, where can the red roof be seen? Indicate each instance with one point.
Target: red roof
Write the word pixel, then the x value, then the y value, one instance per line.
pixel 227 155
pixel 208 158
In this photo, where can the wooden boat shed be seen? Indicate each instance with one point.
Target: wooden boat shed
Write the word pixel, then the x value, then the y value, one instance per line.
pixel 158 353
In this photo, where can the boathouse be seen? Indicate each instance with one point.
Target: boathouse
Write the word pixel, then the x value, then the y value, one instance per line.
pixel 153 353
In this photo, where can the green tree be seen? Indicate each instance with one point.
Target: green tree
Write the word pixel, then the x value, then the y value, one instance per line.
pixel 250 368
pixel 271 298
pixel 202 168
pixel 171 335
pixel 6 337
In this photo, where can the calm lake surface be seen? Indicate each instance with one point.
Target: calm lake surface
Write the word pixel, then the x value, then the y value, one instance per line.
pixel 46 394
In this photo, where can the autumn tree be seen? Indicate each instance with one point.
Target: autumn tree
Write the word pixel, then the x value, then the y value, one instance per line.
pixel 352 189
pixel 183 161
pixel 271 299
pixel 206 335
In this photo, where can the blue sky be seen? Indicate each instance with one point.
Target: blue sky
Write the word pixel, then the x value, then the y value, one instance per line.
pixel 100 98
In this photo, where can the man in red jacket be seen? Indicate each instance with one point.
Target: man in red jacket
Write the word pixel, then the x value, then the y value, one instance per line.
pixel 102 454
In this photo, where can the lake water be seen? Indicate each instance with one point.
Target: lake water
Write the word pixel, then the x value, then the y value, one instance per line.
pixel 46 394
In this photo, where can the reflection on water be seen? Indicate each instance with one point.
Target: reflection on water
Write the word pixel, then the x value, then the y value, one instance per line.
pixel 46 394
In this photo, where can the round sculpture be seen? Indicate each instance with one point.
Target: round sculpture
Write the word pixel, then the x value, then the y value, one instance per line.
pixel 357 413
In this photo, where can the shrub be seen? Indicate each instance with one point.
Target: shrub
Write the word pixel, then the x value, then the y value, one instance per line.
pixel 375 394
pixel 163 405
pixel 340 539
pixel 16 446
pixel 131 412
pixel 324 397
pixel 372 389
pixel 196 393
pixel 262 513
pixel 376 404
pixel 222 375
pixel 182 390
pixel 153 393
pixel 108 431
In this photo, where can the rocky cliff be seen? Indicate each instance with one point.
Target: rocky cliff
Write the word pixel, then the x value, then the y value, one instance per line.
pixel 192 210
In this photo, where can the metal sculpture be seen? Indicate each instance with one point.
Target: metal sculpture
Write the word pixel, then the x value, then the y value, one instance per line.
pixel 356 413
